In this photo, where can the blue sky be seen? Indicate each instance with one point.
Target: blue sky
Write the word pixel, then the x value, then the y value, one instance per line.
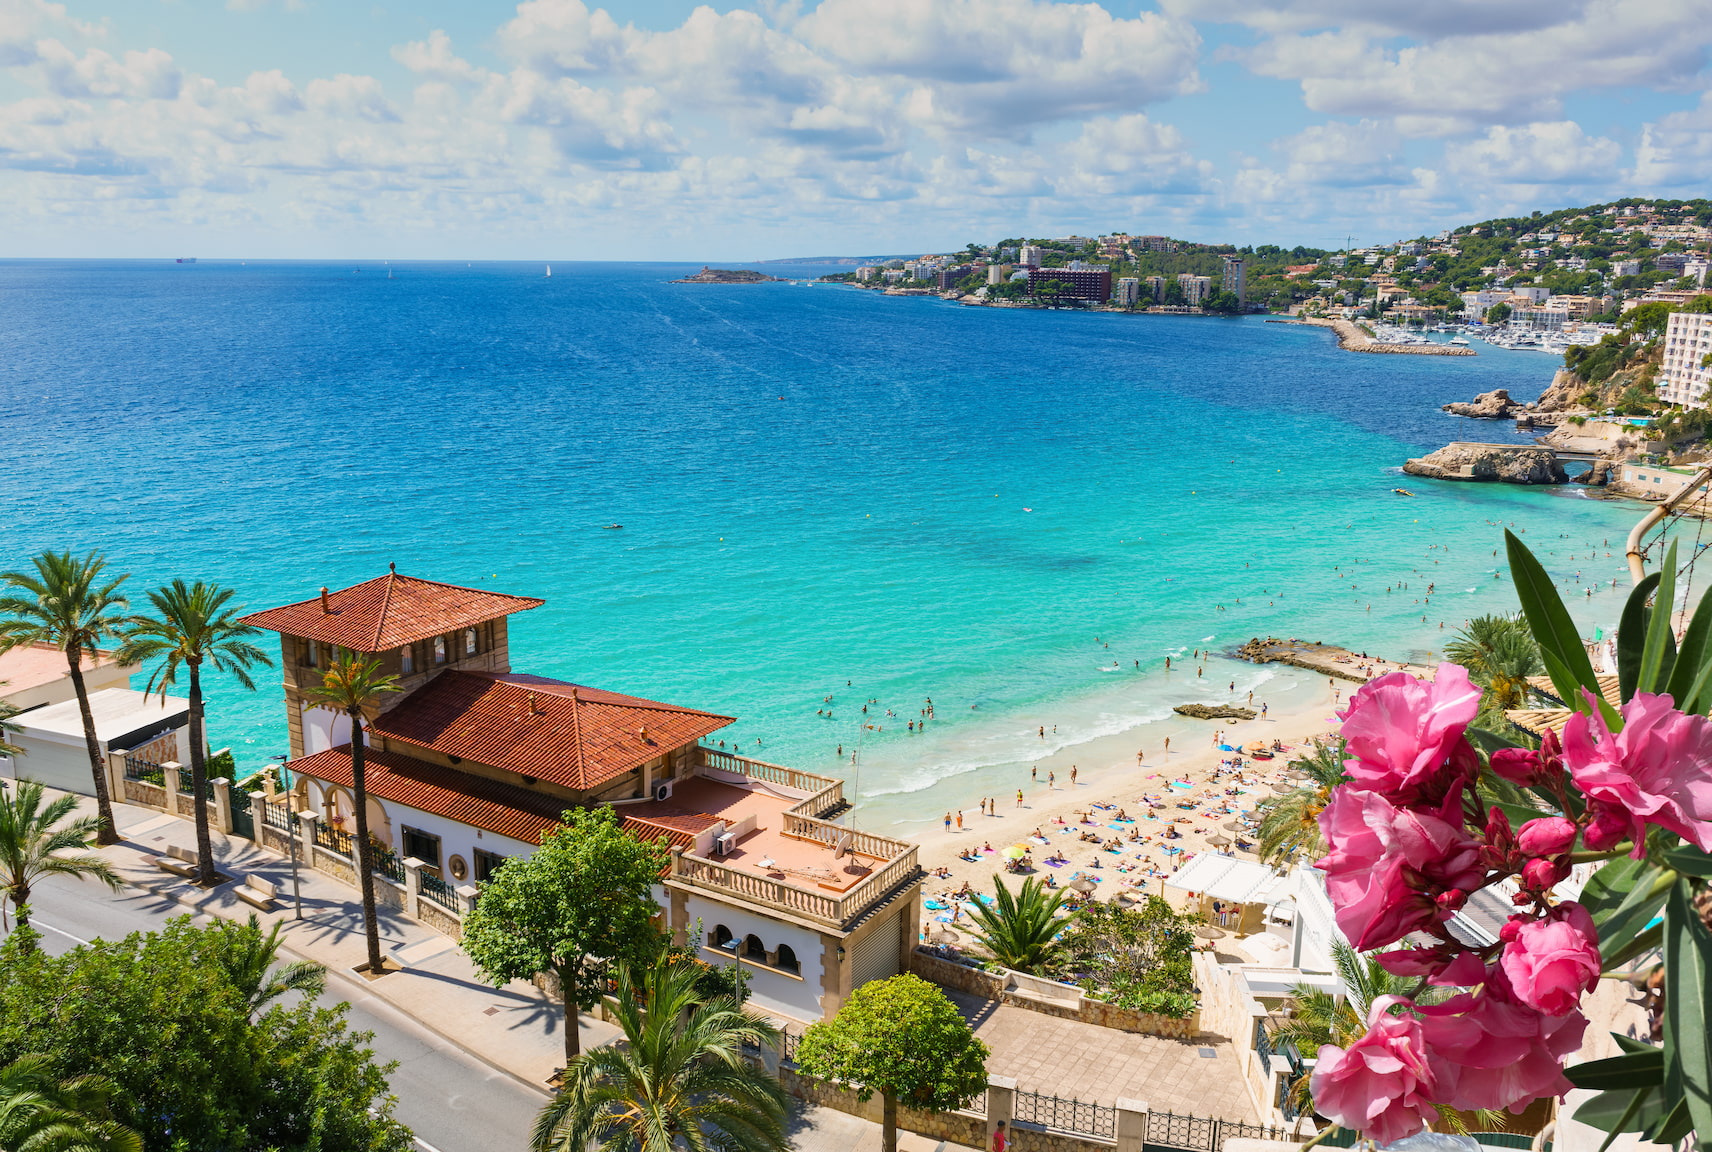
pixel 660 129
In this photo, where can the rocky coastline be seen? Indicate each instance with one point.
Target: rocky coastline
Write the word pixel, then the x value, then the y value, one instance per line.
pixel 728 276
pixel 1353 338
pixel 1501 462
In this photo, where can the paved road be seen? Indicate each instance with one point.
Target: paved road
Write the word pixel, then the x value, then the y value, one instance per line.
pixel 452 1102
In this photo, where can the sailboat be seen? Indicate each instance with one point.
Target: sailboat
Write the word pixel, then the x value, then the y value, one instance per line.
pixel 549 271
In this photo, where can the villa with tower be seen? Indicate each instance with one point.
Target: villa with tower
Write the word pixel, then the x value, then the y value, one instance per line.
pixel 469 762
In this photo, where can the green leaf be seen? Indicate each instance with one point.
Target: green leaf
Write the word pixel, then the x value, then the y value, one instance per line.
pixel 1622 898
pixel 1622 1110
pixel 1630 1044
pixel 1488 742
pixel 1687 998
pixel 1694 658
pixel 1549 621
pixel 1660 651
pixel 1670 1127
pixel 1689 860
pixel 1647 940
pixel 1632 633
pixel 1631 1070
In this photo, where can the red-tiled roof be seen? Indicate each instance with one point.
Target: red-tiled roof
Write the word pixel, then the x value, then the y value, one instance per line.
pixel 678 831
pixel 564 733
pixel 389 612
pixel 474 800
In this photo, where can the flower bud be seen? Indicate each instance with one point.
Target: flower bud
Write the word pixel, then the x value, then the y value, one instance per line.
pixel 1547 836
pixel 1610 827
pixel 1517 765
pixel 1540 874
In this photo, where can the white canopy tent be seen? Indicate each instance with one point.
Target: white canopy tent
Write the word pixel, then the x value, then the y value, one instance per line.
pixel 1225 878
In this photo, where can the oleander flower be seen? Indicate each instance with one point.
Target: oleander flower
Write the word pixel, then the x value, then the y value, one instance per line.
pixel 1381 1085
pixel 1546 836
pixel 1445 965
pixel 1549 963
pixel 1391 871
pixel 1405 735
pixel 1488 1051
pixel 1517 765
pixel 1658 769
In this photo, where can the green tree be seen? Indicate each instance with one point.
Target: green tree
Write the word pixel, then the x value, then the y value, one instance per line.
pixel 39 1113
pixel 351 685
pixel 1498 313
pixel 679 1080
pixel 158 1015
pixel 1290 823
pixel 37 840
pixel 1021 929
pixel 66 604
pixel 249 961
pixel 7 711
pixel 903 1039
pixel 1139 958
pixel 195 628
pixel 576 907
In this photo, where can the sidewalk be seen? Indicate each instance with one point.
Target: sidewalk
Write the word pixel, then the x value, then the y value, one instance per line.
pixel 516 1029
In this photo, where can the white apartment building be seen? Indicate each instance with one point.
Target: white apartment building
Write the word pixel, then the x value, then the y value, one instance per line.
pixel 1687 341
pixel 1155 288
pixel 1235 276
pixel 1129 291
pixel 1196 289
pixel 1031 255
pixel 998 273
pixel 867 272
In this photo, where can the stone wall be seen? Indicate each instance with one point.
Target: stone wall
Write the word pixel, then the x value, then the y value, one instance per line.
pixel 439 919
pixel 333 864
pixel 142 792
pixel 271 838
pixel 956 1127
pixel 1023 991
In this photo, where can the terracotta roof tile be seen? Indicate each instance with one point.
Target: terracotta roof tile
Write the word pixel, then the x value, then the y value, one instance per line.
pixel 389 612
pixel 565 733
pixel 474 800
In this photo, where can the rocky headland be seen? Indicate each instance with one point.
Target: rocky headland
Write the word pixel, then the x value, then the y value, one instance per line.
pixel 1493 405
pixel 727 276
pixel 1465 461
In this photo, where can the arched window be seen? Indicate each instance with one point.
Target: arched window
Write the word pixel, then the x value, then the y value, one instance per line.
pixel 754 950
pixel 439 649
pixel 787 961
pixel 469 641
pixel 723 939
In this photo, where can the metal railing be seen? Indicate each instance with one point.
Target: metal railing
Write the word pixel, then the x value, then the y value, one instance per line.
pixel 1204 1133
pixel 437 890
pixel 386 862
pixel 277 815
pixel 333 839
pixel 147 771
pixel 793 1040
pixel 1066 1114
pixel 187 784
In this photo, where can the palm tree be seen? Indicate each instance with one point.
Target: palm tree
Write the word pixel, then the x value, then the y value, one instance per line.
pixel 41 1114
pixel 249 958
pixel 66 603
pixel 351 685
pixel 1500 654
pixel 7 711
pixel 33 844
pixel 1021 930
pixel 195 628
pixel 680 1080
pixel 1289 824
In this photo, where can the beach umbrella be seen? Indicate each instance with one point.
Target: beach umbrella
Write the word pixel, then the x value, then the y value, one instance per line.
pixel 1083 884
pixel 1221 841
pixel 1014 852
pixel 1282 789
pixel 1208 932
pixel 1235 825
pixel 944 936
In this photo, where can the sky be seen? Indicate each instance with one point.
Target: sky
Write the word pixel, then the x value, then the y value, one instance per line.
pixel 666 130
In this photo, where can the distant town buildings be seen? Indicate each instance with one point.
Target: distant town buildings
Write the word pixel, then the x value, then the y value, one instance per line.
pixel 1077 283
pixel 1235 277
pixel 1196 289
pixel 1128 292
pixel 1030 256
pixel 998 273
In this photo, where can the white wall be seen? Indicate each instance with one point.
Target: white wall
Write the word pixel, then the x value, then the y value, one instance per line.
pixel 324 728
pixel 55 764
pixel 770 990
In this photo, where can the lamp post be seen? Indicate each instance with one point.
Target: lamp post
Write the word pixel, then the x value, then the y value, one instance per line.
pixel 292 833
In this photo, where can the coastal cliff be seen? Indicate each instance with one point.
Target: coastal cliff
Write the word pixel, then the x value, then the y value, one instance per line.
pixel 1464 461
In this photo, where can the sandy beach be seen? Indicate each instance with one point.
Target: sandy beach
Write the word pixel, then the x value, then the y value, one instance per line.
pixel 1110 784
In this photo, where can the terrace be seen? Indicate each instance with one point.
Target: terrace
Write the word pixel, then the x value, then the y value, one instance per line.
pixel 760 832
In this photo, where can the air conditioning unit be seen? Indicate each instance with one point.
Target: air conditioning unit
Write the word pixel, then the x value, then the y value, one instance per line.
pixel 724 843
pixel 663 791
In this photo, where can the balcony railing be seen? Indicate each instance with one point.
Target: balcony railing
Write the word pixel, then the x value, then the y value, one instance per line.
pixel 896 859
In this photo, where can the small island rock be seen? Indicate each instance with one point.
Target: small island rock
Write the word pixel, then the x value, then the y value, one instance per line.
pixel 1214 712
pixel 727 276
pixel 1487 462
pixel 1493 405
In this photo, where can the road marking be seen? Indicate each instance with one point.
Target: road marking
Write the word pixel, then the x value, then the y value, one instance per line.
pixel 426 1147
pixel 61 931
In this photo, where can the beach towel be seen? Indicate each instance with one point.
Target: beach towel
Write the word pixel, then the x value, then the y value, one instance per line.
pixel 937 905
pixel 1180 784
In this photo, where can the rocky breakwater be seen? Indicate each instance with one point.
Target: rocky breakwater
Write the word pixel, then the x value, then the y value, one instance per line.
pixel 1519 465
pixel 1493 405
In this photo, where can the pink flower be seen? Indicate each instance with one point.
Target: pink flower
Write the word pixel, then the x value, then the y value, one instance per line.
pixel 1547 836
pixel 1380 1085
pixel 1446 965
pixel 1658 768
pixel 1608 828
pixel 1487 1051
pixel 1519 765
pixel 1391 871
pixel 1402 733
pixel 1551 962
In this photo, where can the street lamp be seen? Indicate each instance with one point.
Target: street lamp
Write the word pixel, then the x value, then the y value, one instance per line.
pixel 291 829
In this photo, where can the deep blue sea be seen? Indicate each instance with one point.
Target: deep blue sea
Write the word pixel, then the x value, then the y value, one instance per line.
pixel 823 491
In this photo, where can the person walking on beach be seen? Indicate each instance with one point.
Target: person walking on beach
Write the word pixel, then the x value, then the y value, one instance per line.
pixel 1019 797
pixel 1072 775
pixel 948 821
pixel 1052 779
pixel 1168 663
pixel 959 820
pixel 1263 711
pixel 1034 774
pixel 1168 745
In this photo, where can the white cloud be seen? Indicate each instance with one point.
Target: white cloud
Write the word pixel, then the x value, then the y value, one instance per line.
pixel 1676 150
pixel 1556 152
pixel 1337 154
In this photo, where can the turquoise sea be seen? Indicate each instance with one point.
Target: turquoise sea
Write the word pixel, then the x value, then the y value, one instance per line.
pixel 823 491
